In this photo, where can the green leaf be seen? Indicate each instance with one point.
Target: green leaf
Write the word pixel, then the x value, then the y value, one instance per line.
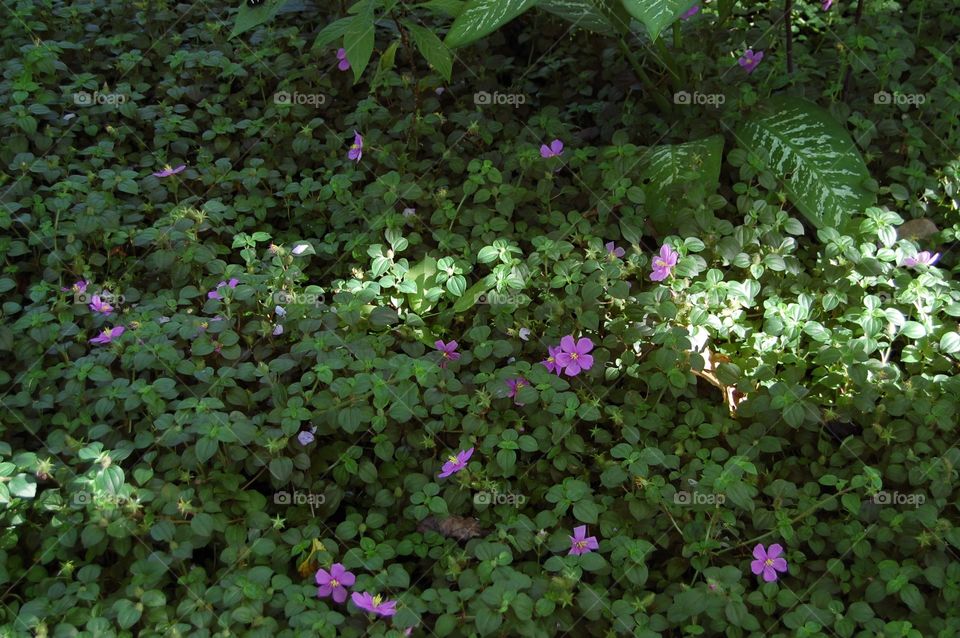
pixel 480 18
pixel 331 32
pixel 127 613
pixel 109 480
pixel 472 295
pixel 358 42
pixel 432 49
pixel 23 486
pixel 585 14
pixel 950 343
pixel 249 17
pixel 813 155
pixel 678 164
pixel 657 15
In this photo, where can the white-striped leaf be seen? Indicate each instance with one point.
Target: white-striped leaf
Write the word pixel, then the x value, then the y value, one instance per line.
pixel 657 15
pixel 582 13
pixel 482 17
pixel 696 163
pixel 822 171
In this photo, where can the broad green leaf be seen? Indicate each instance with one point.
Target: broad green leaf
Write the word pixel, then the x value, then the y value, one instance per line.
pixel 669 165
pixel 250 17
pixel 473 294
pixel 358 42
pixel 331 32
pixel 950 343
pixel 657 15
pixel 450 8
pixel 384 64
pixel 586 14
pixel 822 171
pixel 432 49
pixel 480 18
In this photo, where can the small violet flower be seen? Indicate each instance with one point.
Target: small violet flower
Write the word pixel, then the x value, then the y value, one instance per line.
pixel 100 306
pixel 921 259
pixel 449 351
pixel 456 463
pixel 614 251
pixel 334 582
pixel 277 330
pixel 515 386
pixel 694 10
pixel 356 149
pixel 664 263
pixel 551 360
pixel 827 4
pixel 215 294
pixel 167 171
pixel 554 150
pixel 374 604
pixel 750 60
pixel 108 335
pixel 580 543
pixel 768 562
pixel 524 334
pixel 79 287
pixel 307 437
pixel 344 63
pixel 573 355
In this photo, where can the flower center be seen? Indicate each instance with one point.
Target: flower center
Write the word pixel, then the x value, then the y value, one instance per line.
pixel 453 460
pixel 581 544
pixel 334 583
pixel 354 147
pixel 659 263
pixel 768 562
pixel 520 384
pixel 574 355
pixel 377 600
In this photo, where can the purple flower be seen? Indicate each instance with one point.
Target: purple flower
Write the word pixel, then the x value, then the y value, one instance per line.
pixel 921 259
pixel 79 287
pixel 614 251
pixel 573 355
pixel 449 351
pixel 215 294
pixel 455 463
pixel 694 10
pixel 277 330
pixel 750 60
pixel 344 63
pixel 664 263
pixel 827 4
pixel 515 386
pixel 524 334
pixel 554 150
pixel 580 543
pixel 306 437
pixel 167 171
pixel 98 305
pixel 768 562
pixel 108 335
pixel 334 582
pixel 356 149
pixel 551 361
pixel 374 604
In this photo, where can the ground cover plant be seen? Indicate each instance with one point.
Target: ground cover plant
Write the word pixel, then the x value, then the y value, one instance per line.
pixel 479 318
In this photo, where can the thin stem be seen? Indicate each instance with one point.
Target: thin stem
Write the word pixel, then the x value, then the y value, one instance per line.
pixel 661 101
pixel 788 25
pixel 849 77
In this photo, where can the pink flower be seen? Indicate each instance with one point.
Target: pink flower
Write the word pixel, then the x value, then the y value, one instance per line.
pixel 334 582
pixel 613 250
pixel 515 386
pixel 573 355
pixel 694 10
pixel 108 335
pixel 921 259
pixel 455 463
pixel 827 4
pixel 356 149
pixel 344 63
pixel 663 265
pixel 768 562
pixel 580 543
pixel 449 351
pixel 374 604
pixel 551 360
pixel 750 60
pixel 102 307
pixel 79 287
pixel 215 294
pixel 554 150
pixel 167 171
pixel 306 437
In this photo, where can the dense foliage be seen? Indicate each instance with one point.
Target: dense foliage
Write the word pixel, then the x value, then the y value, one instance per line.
pixel 358 322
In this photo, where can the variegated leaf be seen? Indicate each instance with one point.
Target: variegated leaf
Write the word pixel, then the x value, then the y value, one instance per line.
pixel 822 171
pixel 691 165
pixel 582 13
pixel 657 15
pixel 482 17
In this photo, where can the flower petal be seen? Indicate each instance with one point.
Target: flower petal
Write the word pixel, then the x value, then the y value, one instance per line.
pixel 567 344
pixel 584 345
pixel 774 550
pixel 759 552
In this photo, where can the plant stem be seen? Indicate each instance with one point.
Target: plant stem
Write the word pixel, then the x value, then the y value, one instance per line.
pixel 658 97
pixel 788 25
pixel 849 76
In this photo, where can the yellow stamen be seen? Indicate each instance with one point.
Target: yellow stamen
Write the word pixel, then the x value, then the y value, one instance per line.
pixel 334 583
pixel 453 460
pixel 377 600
